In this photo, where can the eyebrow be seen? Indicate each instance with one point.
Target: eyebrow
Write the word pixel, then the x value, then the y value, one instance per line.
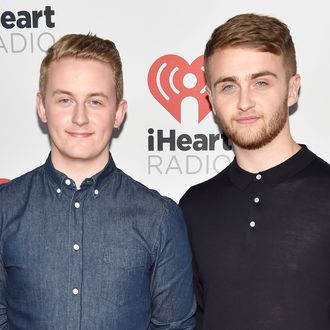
pixel 60 91
pixel 250 77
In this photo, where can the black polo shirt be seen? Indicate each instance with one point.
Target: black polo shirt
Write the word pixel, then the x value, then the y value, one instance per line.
pixel 261 246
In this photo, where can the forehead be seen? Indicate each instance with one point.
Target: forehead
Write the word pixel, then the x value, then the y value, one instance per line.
pixel 75 72
pixel 243 62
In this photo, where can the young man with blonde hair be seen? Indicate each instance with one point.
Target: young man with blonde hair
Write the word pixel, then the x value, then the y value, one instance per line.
pixel 260 229
pixel 83 245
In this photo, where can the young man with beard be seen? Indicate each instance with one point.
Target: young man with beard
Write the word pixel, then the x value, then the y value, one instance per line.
pixel 83 245
pixel 260 229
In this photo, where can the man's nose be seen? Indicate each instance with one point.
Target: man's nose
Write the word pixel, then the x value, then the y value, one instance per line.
pixel 80 116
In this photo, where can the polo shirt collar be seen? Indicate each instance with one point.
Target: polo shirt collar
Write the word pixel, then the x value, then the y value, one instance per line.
pixel 274 175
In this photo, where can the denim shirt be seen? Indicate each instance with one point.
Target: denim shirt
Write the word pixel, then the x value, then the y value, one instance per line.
pixel 110 255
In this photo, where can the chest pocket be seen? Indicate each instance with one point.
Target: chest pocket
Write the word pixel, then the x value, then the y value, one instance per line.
pixel 127 280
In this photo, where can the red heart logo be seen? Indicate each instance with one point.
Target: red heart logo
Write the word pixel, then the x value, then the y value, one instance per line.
pixel 167 85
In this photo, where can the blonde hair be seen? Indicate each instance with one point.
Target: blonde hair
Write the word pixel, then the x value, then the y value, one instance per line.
pixel 84 46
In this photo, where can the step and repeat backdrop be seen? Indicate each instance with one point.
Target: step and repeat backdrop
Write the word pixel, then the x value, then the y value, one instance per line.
pixel 169 140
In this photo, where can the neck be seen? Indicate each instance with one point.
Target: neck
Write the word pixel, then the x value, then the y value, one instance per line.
pixel 274 153
pixel 79 169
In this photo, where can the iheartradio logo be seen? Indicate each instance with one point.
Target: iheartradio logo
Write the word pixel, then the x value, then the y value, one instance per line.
pixel 171 79
pixel 2 180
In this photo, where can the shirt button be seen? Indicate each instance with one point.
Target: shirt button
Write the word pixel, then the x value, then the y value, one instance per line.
pixel 256 200
pixel 76 247
pixel 252 224
pixel 58 190
pixel 96 192
pixel 258 176
pixel 76 205
pixel 75 291
pixel 67 182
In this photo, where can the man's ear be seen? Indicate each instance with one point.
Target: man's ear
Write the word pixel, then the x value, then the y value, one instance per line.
pixel 120 113
pixel 293 93
pixel 209 95
pixel 41 108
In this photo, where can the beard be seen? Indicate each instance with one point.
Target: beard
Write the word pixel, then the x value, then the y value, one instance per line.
pixel 248 138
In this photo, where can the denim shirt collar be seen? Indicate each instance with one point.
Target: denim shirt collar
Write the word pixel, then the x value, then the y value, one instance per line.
pixel 62 181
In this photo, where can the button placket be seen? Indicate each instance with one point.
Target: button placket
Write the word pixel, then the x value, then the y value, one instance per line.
pixel 256 200
pixel 76 238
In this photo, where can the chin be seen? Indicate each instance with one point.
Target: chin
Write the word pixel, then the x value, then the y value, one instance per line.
pixel 80 156
pixel 253 143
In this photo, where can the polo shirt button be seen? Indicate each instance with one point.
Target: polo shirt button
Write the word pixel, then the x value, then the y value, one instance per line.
pixel 258 176
pixel 96 192
pixel 76 247
pixel 76 205
pixel 75 291
pixel 58 190
pixel 67 182
pixel 252 224
pixel 256 200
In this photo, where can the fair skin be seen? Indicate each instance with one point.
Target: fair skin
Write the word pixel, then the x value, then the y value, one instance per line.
pixel 80 109
pixel 250 96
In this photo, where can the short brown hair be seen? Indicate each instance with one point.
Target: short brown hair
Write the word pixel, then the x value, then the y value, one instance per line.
pixel 263 33
pixel 84 46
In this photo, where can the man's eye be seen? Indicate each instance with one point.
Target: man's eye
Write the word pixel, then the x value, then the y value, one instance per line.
pixel 228 88
pixel 64 101
pixel 95 102
pixel 261 83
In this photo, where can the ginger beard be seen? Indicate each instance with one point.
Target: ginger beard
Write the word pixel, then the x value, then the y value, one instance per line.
pixel 251 138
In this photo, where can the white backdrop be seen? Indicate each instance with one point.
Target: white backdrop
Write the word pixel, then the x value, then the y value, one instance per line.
pixel 144 31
